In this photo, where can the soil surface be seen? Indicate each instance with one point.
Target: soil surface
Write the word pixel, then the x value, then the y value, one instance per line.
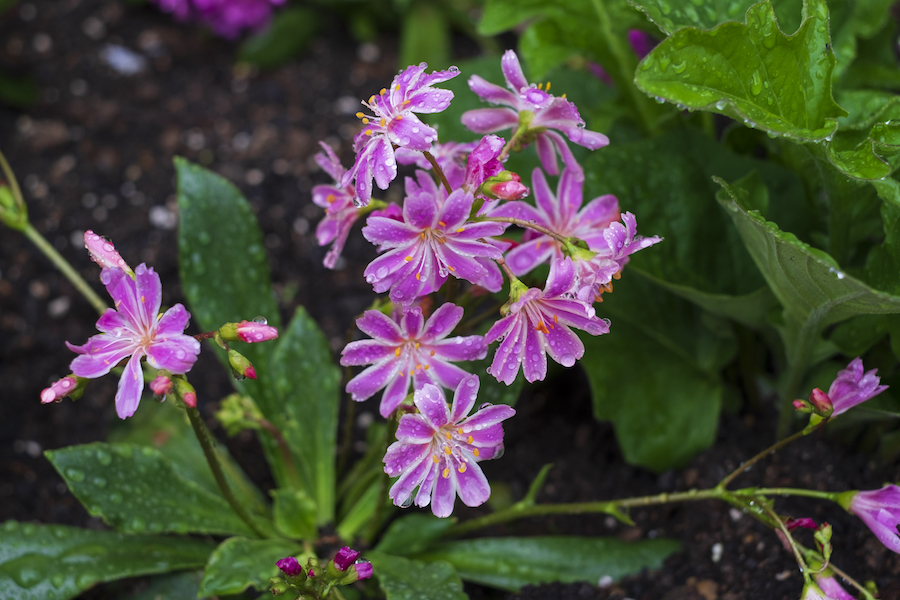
pixel 95 152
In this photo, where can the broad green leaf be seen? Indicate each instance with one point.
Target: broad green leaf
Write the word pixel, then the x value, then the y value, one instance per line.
pixel 876 64
pixel 167 429
pixel 810 285
pixel 295 514
pixel 174 586
pixel 512 563
pixel 670 17
pixel 503 15
pixel 425 36
pixel 655 374
pixel 883 263
pixel 857 335
pixel 412 534
pixel 290 33
pixel 404 579
pixel 55 562
pixel 305 386
pixel 239 563
pixel 852 19
pixel 136 489
pixel 866 154
pixel 751 72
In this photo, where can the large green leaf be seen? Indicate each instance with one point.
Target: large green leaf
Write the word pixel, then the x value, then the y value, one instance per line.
pixel 136 489
pixel 883 264
pixel 670 17
pixel 290 32
pixel 239 563
pixel 55 562
pixel 655 374
pixel 305 386
pixel 511 563
pixel 404 579
pixel 412 534
pixel 175 586
pixel 810 285
pixel 751 72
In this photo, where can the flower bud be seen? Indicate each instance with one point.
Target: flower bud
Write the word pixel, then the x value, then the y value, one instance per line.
pixel 186 392
pixel 345 557
pixel 278 586
pixel 161 385
pixel 821 403
pixel 248 331
pixel 804 522
pixel 290 566
pixel 70 385
pixel 240 365
pixel 104 253
pixel 823 540
pixel 802 406
pixel 505 185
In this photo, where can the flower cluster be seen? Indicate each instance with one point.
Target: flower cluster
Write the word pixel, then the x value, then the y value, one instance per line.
pixel 228 18
pixel 448 231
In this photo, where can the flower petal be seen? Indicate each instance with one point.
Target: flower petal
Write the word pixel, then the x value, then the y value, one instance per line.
pixel 131 384
pixel 432 405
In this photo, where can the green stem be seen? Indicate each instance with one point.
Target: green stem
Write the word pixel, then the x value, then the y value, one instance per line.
pixel 383 485
pixel 801 562
pixel 770 450
pixel 63 265
pixel 529 225
pixel 611 507
pixel 209 451
pixel 832 496
pixel 440 172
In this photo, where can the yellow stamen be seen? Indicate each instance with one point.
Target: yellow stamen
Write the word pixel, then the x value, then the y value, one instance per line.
pixel 541 327
pixel 408 259
pixel 382 122
pixel 382 92
pixel 540 86
pixel 462 468
pixel 418 366
pixel 435 458
pixel 405 102
pixel 359 115
pixel 563 95
pixel 371 99
pixel 451 267
pixel 459 431
pixel 460 230
pixel 548 87
pixel 618 275
pixel 426 367
pixel 143 299
pixel 555 319
pixel 365 121
pixel 330 198
pixel 418 277
pixel 446 472
pixel 469 439
pixel 397 351
pixel 368 132
pixel 432 352
pixel 447 450
pixel 422 235
pixel 442 224
pixel 417 345
pixel 398 118
pixel 476 452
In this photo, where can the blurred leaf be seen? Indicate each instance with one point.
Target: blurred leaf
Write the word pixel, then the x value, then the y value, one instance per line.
pixel 174 586
pixel 55 562
pixel 239 563
pixel 857 335
pixel 875 66
pixel 136 489
pixel 883 264
pixel 18 92
pixel 425 36
pixel 655 374
pixel 751 72
pixel 295 514
pixel 289 34
pixel 412 534
pixel 512 563
pixel 503 15
pixel 852 19
pixel 404 579
pixel 304 385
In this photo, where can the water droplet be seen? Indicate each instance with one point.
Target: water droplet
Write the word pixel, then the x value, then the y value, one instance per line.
pixel 100 482
pixel 75 475
pixel 756 83
pixel 567 360
pixel 104 457
pixel 261 320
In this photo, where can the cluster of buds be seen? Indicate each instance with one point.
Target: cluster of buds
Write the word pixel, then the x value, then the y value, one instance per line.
pixel 312 582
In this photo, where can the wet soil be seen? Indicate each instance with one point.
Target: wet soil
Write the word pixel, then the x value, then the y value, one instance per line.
pixel 95 152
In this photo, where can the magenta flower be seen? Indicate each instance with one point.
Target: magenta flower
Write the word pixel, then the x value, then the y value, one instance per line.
pixel 254 332
pixel 228 18
pixel 337 200
pixel 393 123
pixel 438 449
pixel 134 328
pixel 290 566
pixel 831 589
pixel 853 386
pixel 540 114
pixel 879 510
pixel 408 348
pixel 538 324
pixel 433 241
pixel 561 213
pixel 813 592
pixel 345 557
pixel 363 569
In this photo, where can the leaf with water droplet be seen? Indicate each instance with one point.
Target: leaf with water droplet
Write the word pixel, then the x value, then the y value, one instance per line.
pixel 239 563
pixel 405 579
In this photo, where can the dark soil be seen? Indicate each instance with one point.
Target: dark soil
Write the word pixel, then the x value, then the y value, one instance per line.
pixel 95 153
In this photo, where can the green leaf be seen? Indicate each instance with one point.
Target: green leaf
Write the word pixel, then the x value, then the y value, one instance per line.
pixel 707 15
pixel 361 511
pixel 666 408
pixel 503 15
pixel 55 562
pixel 290 33
pixel 412 534
pixel 176 586
pixel 18 92
pixel 295 514
pixel 512 563
pixel 239 563
pixel 404 579
pixel 883 262
pixel 809 284
pixel 305 386
pixel 866 154
pixel 851 19
pixel 751 72
pixel 136 489
pixel 425 36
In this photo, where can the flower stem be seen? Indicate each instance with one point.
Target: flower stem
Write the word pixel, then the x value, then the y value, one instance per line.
pixel 63 265
pixel 788 492
pixel 787 535
pixel 771 449
pixel 529 225
pixel 209 451
pixel 440 172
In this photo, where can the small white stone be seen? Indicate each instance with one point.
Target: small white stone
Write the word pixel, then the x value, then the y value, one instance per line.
pixel 716 552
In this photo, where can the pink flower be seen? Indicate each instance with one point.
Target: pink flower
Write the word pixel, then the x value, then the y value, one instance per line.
pixel 438 449
pixel 393 123
pixel 254 332
pixel 879 510
pixel 433 241
pixel 541 114
pixel 853 386
pixel 409 349
pixel 59 389
pixel 538 324
pixel 832 589
pixel 345 557
pixel 290 566
pixel 161 385
pixel 135 329
pixel 228 18
pixel 104 253
pixel 337 200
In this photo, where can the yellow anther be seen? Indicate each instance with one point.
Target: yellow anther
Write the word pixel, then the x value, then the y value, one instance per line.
pixel 405 102
pixel 417 345
pixel 418 366
pixel 371 99
pixel 365 121
pixel 555 319
pixel 442 224
pixel 538 245
pixel 143 299
pixel 563 95
pixel 418 277
pixel 422 235
pixel 382 122
pixel 382 92
pixel 460 230
pixel 435 458
pixel 469 439
pixel 397 86
pixel 548 87
pixel 408 259
pixel 540 86
pixel 541 327
pixel 330 198
pixel 462 468
pixel 451 267
pixel 476 452
pixel 446 472
pixel 459 431
pixel 398 118
pixel 447 450
pixel 397 351
pixel 425 367
pixel 617 276
pixel 360 115
pixel 432 352
pixel 368 132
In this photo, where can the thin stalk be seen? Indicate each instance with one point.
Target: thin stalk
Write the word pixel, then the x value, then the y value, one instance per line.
pixel 529 225
pixel 11 180
pixel 789 492
pixel 801 562
pixel 852 581
pixel 773 448
pixel 440 172
pixel 63 265
pixel 611 507
pixel 382 486
pixel 209 451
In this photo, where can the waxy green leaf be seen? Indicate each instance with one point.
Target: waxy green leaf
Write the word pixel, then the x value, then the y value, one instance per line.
pixel 137 489
pixel 752 72
pixel 239 563
pixel 672 16
pixel 55 562
pixel 512 563
pixel 412 534
pixel 290 32
pixel 405 579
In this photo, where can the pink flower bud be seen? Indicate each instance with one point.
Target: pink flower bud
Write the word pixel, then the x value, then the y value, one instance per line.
pixel 345 557
pixel 104 253
pixel 820 402
pixel 190 398
pixel 363 570
pixel 804 522
pixel 506 185
pixel 255 331
pixel 289 566
pixel 161 386
pixel 59 390
pixel 802 406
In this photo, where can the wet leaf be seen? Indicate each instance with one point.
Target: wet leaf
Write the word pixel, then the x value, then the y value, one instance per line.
pixel 412 534
pixel 239 563
pixel 295 514
pixel 404 579
pixel 55 562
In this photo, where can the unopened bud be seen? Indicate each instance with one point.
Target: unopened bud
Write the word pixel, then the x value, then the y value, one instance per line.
pixel 248 331
pixel 290 566
pixel 823 540
pixel 278 586
pixel 821 403
pixel 161 385
pixel 505 185
pixel 104 253
pixel 62 388
pixel 240 365
pixel 363 570
pixel 345 557
pixel 804 522
pixel 802 406
pixel 186 392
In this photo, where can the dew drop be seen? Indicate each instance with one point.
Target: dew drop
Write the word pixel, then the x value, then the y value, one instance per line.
pixel 75 475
